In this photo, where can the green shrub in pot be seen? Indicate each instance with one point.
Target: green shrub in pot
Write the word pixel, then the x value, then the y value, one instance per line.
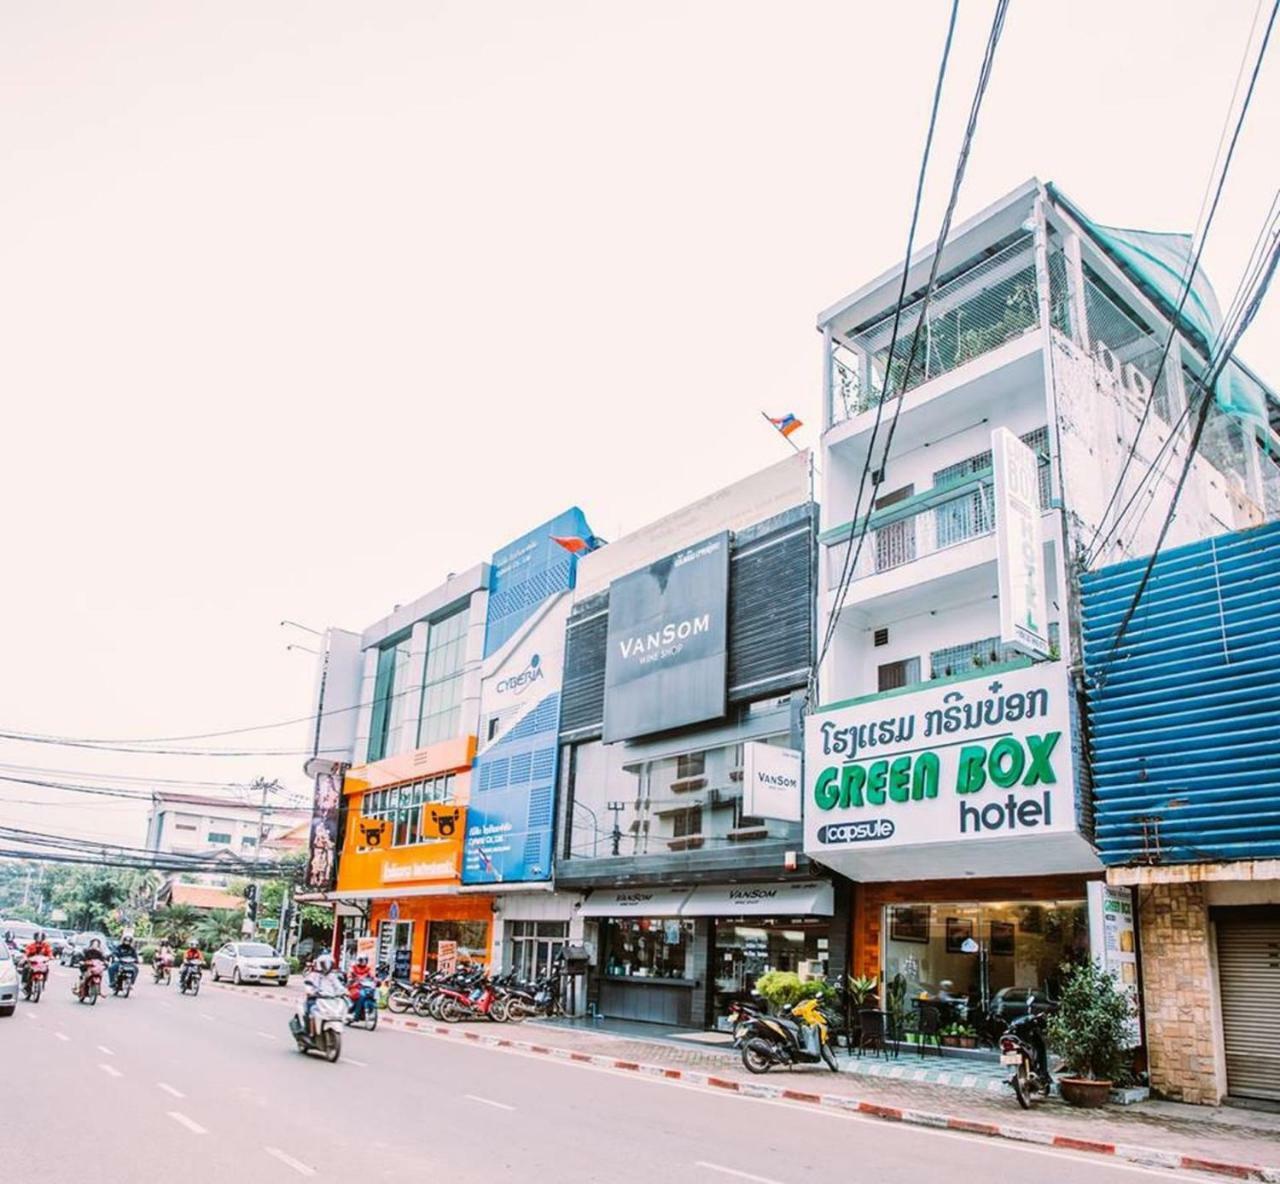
pixel 1091 1026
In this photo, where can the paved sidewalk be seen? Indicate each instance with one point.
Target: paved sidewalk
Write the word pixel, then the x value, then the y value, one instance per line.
pixel 1239 1144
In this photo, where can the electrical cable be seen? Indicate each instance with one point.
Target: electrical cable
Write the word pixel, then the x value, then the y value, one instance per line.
pixel 984 78
pixel 845 573
pixel 1189 279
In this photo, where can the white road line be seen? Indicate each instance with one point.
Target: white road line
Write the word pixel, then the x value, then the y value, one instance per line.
pixel 29 1014
pixel 488 1102
pixel 266 1035
pixel 63 1036
pixel 102 1048
pixel 353 1061
pixel 204 1015
pixel 716 1167
pixel 298 1166
pixel 164 1085
pixel 182 1120
pixel 111 1070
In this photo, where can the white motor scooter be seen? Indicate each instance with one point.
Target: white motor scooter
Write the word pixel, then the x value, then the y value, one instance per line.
pixel 322 1033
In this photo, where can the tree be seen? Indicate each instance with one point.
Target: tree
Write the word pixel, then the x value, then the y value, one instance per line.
pixel 217 927
pixel 176 922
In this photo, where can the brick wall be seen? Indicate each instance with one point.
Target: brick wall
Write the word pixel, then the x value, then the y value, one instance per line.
pixel 1179 993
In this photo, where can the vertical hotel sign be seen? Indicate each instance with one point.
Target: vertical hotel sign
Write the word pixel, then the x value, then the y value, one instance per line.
pixel 1024 620
pixel 322 854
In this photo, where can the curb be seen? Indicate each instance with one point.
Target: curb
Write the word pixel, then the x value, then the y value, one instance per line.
pixel 1146 1156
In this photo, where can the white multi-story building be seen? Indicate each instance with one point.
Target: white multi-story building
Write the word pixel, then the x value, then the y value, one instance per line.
pixel 205 824
pixel 1052 327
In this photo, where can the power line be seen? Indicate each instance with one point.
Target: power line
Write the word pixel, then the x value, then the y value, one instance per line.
pixel 1206 388
pixel 95 746
pixel 845 570
pixel 137 795
pixel 1189 279
pixel 984 78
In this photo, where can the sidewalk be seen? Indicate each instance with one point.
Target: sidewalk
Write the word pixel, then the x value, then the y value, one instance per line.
pixel 1238 1144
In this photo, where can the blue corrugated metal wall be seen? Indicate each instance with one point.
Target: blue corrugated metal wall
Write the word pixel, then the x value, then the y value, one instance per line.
pixel 1185 714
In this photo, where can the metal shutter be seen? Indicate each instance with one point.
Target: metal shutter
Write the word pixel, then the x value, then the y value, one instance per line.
pixel 1249 977
pixel 582 699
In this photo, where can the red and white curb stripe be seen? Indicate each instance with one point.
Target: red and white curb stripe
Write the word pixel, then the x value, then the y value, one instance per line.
pixel 1147 1156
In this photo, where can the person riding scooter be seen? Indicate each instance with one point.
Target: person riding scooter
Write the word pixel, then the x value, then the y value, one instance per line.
pixel 124 958
pixel 192 963
pixel 37 947
pixel 321 981
pixel 93 959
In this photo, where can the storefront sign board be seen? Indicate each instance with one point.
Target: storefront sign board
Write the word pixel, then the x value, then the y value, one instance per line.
pixel 666 661
pixel 985 760
pixel 1024 604
pixel 811 898
pixel 770 781
pixel 635 902
pixel 447 956
pixel 1114 942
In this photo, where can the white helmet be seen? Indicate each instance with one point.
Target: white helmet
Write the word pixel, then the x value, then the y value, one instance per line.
pixel 324 963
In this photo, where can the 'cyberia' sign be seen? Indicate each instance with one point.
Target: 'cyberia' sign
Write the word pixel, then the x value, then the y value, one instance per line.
pixel 984 758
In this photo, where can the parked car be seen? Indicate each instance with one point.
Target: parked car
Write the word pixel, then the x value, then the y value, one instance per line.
pixel 1011 1003
pixel 8 981
pixel 22 932
pixel 249 962
pixel 72 951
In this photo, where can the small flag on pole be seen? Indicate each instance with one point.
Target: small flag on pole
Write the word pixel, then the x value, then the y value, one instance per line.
pixel 576 545
pixel 786 424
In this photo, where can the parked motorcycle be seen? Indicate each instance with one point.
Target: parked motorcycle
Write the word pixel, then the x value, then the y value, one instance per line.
pixel 362 1002
pixel 35 974
pixel 90 985
pixel 322 1031
pixel 1023 1047
pixel 189 979
pixel 768 1040
pixel 400 993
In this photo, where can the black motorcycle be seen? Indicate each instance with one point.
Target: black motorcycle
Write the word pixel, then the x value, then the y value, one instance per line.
pixel 1023 1047
pixel 769 1040
pixel 189 978
pixel 123 975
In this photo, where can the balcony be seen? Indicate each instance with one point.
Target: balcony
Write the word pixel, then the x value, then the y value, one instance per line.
pixel 983 305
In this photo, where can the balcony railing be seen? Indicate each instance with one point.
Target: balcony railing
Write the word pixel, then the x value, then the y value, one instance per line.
pixel 984 306
pixel 945 517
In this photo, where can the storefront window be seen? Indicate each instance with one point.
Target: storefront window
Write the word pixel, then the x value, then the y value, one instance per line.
pixel 649 947
pixel 472 938
pixel 747 947
pixel 976 960
pixel 533 946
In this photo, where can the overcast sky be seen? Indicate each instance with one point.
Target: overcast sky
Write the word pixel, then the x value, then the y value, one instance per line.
pixel 306 304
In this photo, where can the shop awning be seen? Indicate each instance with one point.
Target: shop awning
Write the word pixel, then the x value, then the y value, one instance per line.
pixel 635 902
pixel 811 898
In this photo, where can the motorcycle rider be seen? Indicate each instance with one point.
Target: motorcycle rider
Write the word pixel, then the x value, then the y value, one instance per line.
pixel 92 956
pixel 359 974
pixel 163 955
pixel 192 961
pixel 321 980
pixel 37 947
pixel 124 954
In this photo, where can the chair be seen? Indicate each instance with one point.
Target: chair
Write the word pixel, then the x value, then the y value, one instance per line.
pixel 871 1031
pixel 928 1026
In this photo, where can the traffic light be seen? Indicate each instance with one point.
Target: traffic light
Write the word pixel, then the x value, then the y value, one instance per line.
pixel 287 924
pixel 251 902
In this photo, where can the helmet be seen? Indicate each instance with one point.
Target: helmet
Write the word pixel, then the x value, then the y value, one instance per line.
pixel 324 963
pixel 363 960
pixel 39 935
pixel 95 944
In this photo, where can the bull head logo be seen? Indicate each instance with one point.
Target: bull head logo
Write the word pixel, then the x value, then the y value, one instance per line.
pixel 372 832
pixel 446 823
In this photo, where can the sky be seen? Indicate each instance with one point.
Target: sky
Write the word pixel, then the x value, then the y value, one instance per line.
pixel 307 304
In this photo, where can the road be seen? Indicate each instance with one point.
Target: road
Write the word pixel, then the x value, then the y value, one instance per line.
pixel 160 1080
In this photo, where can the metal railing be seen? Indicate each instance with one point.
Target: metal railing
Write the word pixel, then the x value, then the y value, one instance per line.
pixel 972 313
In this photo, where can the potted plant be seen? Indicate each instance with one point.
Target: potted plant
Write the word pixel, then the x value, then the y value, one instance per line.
pixel 958 1036
pixel 862 989
pixel 1089 1032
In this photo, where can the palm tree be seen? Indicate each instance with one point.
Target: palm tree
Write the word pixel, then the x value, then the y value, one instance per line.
pixel 217 927
pixel 176 922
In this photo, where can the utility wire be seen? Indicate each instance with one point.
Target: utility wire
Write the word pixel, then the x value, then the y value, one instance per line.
pixel 984 78
pixel 846 568
pixel 1206 388
pixel 1188 280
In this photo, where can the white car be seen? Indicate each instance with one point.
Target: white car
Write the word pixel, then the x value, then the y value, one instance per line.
pixel 8 981
pixel 249 962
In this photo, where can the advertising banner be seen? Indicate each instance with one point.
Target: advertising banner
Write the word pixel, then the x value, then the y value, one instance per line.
pixel 770 781
pixel 1113 940
pixel 446 956
pixel 1024 621
pixel 322 854
pixel 962 763
pixel 668 642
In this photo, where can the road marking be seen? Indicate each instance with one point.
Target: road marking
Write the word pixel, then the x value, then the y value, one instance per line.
pixel 487 1102
pixel 29 1014
pixel 353 1061
pixel 298 1166
pixel 716 1167
pixel 63 1036
pixel 182 1120
pixel 111 1071
pixel 204 1015
pixel 267 1036
pixel 102 1048
pixel 164 1085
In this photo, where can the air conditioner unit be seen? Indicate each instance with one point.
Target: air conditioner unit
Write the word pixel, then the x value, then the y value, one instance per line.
pixel 1108 361
pixel 1136 381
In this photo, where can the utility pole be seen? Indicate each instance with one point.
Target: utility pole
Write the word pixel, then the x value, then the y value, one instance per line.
pixel 266 787
pixel 282 932
pixel 616 836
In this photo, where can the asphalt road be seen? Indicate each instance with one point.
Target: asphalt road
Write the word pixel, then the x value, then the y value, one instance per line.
pixel 212 1089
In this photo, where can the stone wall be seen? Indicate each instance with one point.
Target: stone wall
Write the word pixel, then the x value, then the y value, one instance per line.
pixel 1179 993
